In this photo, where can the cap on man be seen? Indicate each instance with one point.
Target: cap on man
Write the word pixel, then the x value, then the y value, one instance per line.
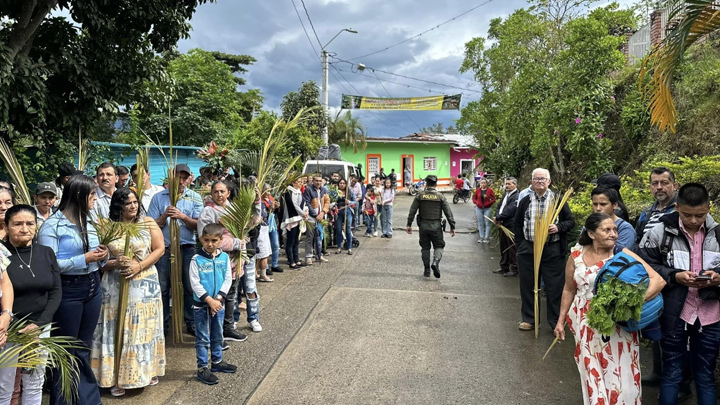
pixel 45 197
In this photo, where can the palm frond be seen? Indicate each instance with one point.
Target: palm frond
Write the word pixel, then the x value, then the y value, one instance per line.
pixel 510 234
pixel 83 156
pixel 699 18
pixel 29 350
pixel 109 231
pixel 15 170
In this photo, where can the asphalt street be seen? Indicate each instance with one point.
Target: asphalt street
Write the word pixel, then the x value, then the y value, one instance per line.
pixel 369 328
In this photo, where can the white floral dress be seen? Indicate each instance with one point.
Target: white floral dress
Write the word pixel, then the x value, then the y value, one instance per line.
pixel 609 369
pixel 143 351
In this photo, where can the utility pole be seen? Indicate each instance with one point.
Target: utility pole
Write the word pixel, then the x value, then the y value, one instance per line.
pixel 324 95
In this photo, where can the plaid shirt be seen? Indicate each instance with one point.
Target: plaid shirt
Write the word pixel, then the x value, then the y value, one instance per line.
pixel 538 205
pixel 708 312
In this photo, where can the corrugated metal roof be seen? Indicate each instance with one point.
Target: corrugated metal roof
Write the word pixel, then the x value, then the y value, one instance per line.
pixel 459 140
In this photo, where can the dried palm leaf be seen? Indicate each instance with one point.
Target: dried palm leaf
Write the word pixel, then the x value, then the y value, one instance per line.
pixel 15 170
pixel 698 18
pixel 557 339
pixel 28 350
pixel 510 234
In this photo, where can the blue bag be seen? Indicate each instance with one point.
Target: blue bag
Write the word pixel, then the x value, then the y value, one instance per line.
pixel 625 268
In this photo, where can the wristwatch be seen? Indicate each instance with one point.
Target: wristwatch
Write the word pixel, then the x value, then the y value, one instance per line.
pixel 219 297
pixel 9 312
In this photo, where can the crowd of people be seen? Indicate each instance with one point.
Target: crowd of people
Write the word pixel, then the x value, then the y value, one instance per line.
pixel 59 273
pixel 677 242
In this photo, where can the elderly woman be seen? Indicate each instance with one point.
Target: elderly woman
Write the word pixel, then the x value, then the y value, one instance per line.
pixel 72 236
pixel 35 277
pixel 142 356
pixel 609 366
pixel 221 193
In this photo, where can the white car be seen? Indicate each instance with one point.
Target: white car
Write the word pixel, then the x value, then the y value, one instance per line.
pixel 327 167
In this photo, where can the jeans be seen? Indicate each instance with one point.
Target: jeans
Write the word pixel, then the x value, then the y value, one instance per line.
pixel 483 223
pixel 208 335
pixel 250 286
pixel 275 248
pixel 386 218
pixel 371 224
pixel 163 269
pixel 32 382
pixel 356 213
pixel 339 221
pixel 702 356
pixel 292 245
pixel 77 317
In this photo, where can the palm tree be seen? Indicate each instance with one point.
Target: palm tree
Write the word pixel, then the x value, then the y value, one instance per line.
pixel 347 130
pixel 697 19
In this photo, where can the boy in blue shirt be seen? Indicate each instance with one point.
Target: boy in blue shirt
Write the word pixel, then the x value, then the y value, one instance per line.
pixel 210 279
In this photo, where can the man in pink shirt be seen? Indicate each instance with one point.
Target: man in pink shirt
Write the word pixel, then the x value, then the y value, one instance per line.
pixel 684 249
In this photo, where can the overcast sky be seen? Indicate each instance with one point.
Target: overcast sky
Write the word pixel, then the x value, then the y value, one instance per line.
pixel 270 31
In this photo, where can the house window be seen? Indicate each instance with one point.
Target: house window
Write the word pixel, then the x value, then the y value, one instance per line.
pixel 373 165
pixel 430 164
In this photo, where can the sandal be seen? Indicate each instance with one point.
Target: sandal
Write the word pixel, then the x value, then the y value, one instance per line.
pixel 266 280
pixel 154 381
pixel 117 391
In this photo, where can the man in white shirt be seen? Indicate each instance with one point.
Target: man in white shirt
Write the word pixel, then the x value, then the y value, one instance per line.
pixel 106 178
pixel 149 190
pixel 45 196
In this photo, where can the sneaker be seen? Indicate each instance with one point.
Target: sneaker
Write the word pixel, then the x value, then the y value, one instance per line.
pixel 225 345
pixel 436 269
pixel 308 262
pixel 375 234
pixel 500 271
pixel 323 259
pixel 223 367
pixel 206 376
pixel 234 336
pixel 255 325
pixel 510 274
pixel 389 236
pixel 190 329
pixel 276 270
pixel 268 272
pixel 480 240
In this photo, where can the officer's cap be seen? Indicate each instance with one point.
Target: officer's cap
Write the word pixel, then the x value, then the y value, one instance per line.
pixel 431 178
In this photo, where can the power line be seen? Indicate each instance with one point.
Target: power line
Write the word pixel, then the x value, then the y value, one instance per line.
pixel 411 78
pixel 306 33
pixel 311 24
pixel 372 113
pixel 393 82
pixel 424 32
pixel 390 95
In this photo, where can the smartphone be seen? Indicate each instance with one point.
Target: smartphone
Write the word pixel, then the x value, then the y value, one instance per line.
pixel 703 277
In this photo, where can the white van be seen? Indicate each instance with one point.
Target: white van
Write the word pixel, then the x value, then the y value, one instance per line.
pixel 327 167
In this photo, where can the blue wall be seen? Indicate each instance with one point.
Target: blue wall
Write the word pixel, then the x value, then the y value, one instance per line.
pixel 125 156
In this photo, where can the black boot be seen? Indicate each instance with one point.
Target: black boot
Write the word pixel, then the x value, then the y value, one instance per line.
pixel 436 269
pixel 427 272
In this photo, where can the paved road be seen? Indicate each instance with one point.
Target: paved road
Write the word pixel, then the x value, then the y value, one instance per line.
pixel 369 328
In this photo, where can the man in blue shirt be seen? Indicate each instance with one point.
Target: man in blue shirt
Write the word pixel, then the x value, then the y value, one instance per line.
pixel 186 213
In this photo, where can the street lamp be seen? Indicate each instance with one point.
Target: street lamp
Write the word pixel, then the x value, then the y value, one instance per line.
pixel 325 80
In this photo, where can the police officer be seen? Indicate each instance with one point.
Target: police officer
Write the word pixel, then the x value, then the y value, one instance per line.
pixel 431 204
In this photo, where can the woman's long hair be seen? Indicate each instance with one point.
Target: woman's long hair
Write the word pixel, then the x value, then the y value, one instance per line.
pixel 591 224
pixel 117 205
pixel 74 203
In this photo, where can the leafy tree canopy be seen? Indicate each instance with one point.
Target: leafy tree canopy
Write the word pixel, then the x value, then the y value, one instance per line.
pixel 438 129
pixel 60 76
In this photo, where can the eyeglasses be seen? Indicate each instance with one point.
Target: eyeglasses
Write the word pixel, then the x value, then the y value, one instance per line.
pixel 540 179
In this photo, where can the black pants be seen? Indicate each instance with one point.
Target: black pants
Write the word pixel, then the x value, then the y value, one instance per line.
pixel 508 253
pixel 230 299
pixel 431 235
pixel 292 245
pixel 552 272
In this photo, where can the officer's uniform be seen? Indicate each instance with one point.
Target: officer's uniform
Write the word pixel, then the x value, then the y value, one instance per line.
pixel 431 204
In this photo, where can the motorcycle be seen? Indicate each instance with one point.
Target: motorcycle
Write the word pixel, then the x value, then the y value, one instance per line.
pixel 414 188
pixel 460 194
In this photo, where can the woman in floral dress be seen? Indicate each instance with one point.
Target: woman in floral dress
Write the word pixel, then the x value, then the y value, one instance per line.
pixel 609 366
pixel 143 351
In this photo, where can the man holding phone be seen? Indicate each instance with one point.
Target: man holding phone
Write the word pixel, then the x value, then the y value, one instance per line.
pixel 684 249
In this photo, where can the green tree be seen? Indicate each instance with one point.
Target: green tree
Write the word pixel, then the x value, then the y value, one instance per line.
pixel 438 129
pixel 58 77
pixel 348 131
pixel 307 96
pixel 204 100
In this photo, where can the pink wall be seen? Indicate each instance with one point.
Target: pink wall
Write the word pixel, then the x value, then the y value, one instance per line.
pixel 457 154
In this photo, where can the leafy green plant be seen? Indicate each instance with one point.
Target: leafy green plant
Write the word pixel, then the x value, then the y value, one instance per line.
pixel 615 301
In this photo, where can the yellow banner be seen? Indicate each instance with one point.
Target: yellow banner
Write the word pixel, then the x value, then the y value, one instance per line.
pixel 408 103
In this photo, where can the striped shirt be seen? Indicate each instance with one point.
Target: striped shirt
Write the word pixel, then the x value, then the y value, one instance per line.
pixel 707 311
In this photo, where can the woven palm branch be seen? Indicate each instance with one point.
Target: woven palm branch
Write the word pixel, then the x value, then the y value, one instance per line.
pixel 542 224
pixel 15 170
pixel 698 18
pixel 30 351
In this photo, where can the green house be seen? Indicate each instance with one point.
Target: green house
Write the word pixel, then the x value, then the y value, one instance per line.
pixel 424 154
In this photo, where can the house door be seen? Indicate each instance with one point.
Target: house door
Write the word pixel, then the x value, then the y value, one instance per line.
pixel 373 166
pixel 467 166
pixel 408 163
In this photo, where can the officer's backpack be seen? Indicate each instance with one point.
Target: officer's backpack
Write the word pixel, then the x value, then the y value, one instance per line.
pixel 625 268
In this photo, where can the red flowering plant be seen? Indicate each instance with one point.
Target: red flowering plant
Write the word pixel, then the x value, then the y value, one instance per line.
pixel 215 157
